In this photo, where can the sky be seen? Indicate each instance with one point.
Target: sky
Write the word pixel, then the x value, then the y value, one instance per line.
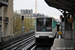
pixel 42 7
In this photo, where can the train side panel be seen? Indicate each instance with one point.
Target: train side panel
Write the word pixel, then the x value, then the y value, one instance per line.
pixel 54 28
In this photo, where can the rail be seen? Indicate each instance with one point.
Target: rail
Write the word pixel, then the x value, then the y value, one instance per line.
pixel 16 40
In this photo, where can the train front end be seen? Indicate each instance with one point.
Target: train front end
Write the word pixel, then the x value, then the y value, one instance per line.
pixel 44 31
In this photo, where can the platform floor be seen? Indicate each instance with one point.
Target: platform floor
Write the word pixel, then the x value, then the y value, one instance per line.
pixel 61 44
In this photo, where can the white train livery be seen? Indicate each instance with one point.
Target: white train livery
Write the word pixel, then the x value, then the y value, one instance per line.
pixel 45 30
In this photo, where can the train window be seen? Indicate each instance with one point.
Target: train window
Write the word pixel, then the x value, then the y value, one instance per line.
pixel 49 22
pixel 44 24
pixel 39 22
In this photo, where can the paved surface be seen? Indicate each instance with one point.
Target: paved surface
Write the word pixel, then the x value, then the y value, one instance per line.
pixel 61 44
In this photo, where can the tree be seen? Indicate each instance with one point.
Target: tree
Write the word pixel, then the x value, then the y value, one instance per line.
pixel 16 23
pixel 28 24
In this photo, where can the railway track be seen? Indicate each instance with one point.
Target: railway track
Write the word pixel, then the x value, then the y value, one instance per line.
pixel 12 45
pixel 40 48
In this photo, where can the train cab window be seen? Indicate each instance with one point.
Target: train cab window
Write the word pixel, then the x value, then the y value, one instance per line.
pixel 39 22
pixel 44 24
pixel 49 22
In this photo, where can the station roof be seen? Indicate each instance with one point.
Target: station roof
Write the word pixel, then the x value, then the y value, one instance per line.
pixel 67 5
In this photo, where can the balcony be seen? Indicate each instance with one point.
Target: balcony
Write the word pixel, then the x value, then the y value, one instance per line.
pixel 3 3
pixel 6 19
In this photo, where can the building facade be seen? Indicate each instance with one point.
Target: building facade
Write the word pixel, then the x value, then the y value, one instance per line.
pixel 6 18
pixel 39 15
pixel 29 13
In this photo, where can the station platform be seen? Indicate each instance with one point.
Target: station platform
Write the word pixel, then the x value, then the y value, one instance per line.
pixel 62 44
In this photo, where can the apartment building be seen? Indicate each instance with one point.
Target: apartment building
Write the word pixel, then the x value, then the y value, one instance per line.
pixel 6 18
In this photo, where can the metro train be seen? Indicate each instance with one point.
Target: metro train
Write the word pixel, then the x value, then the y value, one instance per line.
pixel 45 30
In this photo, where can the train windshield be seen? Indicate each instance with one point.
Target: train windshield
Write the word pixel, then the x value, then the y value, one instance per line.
pixel 44 24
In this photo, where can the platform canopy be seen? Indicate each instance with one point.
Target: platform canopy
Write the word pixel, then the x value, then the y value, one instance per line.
pixel 66 5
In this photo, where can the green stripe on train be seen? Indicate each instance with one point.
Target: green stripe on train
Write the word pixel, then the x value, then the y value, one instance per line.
pixel 54 24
